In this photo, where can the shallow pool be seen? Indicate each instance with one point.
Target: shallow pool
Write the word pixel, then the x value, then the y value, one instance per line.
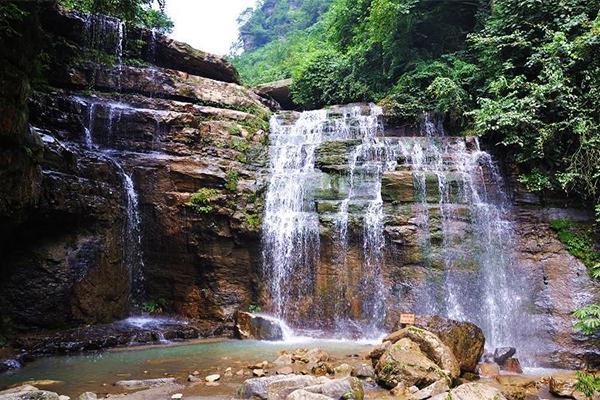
pixel 97 372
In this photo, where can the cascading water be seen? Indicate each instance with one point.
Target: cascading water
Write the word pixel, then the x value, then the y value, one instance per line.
pixel 291 228
pixel 457 180
pixel 132 251
pixel 460 209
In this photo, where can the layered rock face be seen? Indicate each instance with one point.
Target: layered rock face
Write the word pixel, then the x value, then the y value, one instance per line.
pixel 387 223
pixel 149 182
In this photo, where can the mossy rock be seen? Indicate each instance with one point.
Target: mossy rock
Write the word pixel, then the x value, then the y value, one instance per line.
pixel 398 187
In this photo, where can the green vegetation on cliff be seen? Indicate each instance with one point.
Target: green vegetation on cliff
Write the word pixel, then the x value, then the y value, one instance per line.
pixel 525 74
pixel 145 13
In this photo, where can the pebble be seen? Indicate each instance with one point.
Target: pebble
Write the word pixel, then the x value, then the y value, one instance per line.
pixel 177 396
pixel 240 372
pixel 192 378
pixel 258 372
pixel 213 378
pixel 196 373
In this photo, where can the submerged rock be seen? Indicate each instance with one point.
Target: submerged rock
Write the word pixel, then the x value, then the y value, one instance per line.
pixel 87 396
pixel 252 326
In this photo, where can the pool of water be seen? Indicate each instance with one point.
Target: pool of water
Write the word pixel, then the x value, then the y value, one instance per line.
pixel 97 372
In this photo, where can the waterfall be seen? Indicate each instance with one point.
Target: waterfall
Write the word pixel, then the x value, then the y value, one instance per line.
pixel 132 250
pixel 324 247
pixel 455 178
pixel 291 227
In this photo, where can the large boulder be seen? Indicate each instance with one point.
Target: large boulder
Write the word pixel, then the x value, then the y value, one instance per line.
pixel 431 345
pixel 465 339
pixel 404 362
pixel 253 326
pixel 276 387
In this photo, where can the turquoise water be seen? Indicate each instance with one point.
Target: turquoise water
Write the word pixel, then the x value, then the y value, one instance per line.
pixel 97 372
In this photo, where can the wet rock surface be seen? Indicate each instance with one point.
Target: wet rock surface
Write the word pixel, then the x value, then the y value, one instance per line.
pixel 251 326
pixel 167 130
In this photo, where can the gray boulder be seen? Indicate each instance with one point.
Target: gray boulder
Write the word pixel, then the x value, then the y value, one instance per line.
pixel 276 387
pixel 348 388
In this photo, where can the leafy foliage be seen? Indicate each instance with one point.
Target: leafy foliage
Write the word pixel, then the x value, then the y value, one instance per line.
pixel 588 319
pixel 275 19
pixel 145 13
pixel 231 180
pixel 588 383
pixel 254 308
pixel 540 96
pixel 202 199
pixel 154 306
pixel 580 242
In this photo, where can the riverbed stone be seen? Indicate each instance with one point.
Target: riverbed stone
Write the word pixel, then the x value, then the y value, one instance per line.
pixel 212 378
pixel 404 362
pixel 488 370
pixel 349 388
pixel 435 388
pixel 142 383
pixel 276 387
pixel 363 371
pixel 283 359
pixel 88 396
pixel 27 392
pixel 476 391
pixel 301 394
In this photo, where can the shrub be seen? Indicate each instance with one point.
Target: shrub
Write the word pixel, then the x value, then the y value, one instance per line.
pixel 588 384
pixel 200 201
pixel 232 180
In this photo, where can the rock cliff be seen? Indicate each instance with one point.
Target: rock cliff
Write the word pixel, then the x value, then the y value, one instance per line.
pixel 132 130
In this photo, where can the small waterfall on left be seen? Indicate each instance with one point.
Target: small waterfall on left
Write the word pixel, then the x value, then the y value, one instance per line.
pixel 132 250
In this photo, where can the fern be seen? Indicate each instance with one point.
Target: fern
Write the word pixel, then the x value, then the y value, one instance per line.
pixel 588 319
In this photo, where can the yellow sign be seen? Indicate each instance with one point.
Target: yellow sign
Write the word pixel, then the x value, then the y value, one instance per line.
pixel 407 319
